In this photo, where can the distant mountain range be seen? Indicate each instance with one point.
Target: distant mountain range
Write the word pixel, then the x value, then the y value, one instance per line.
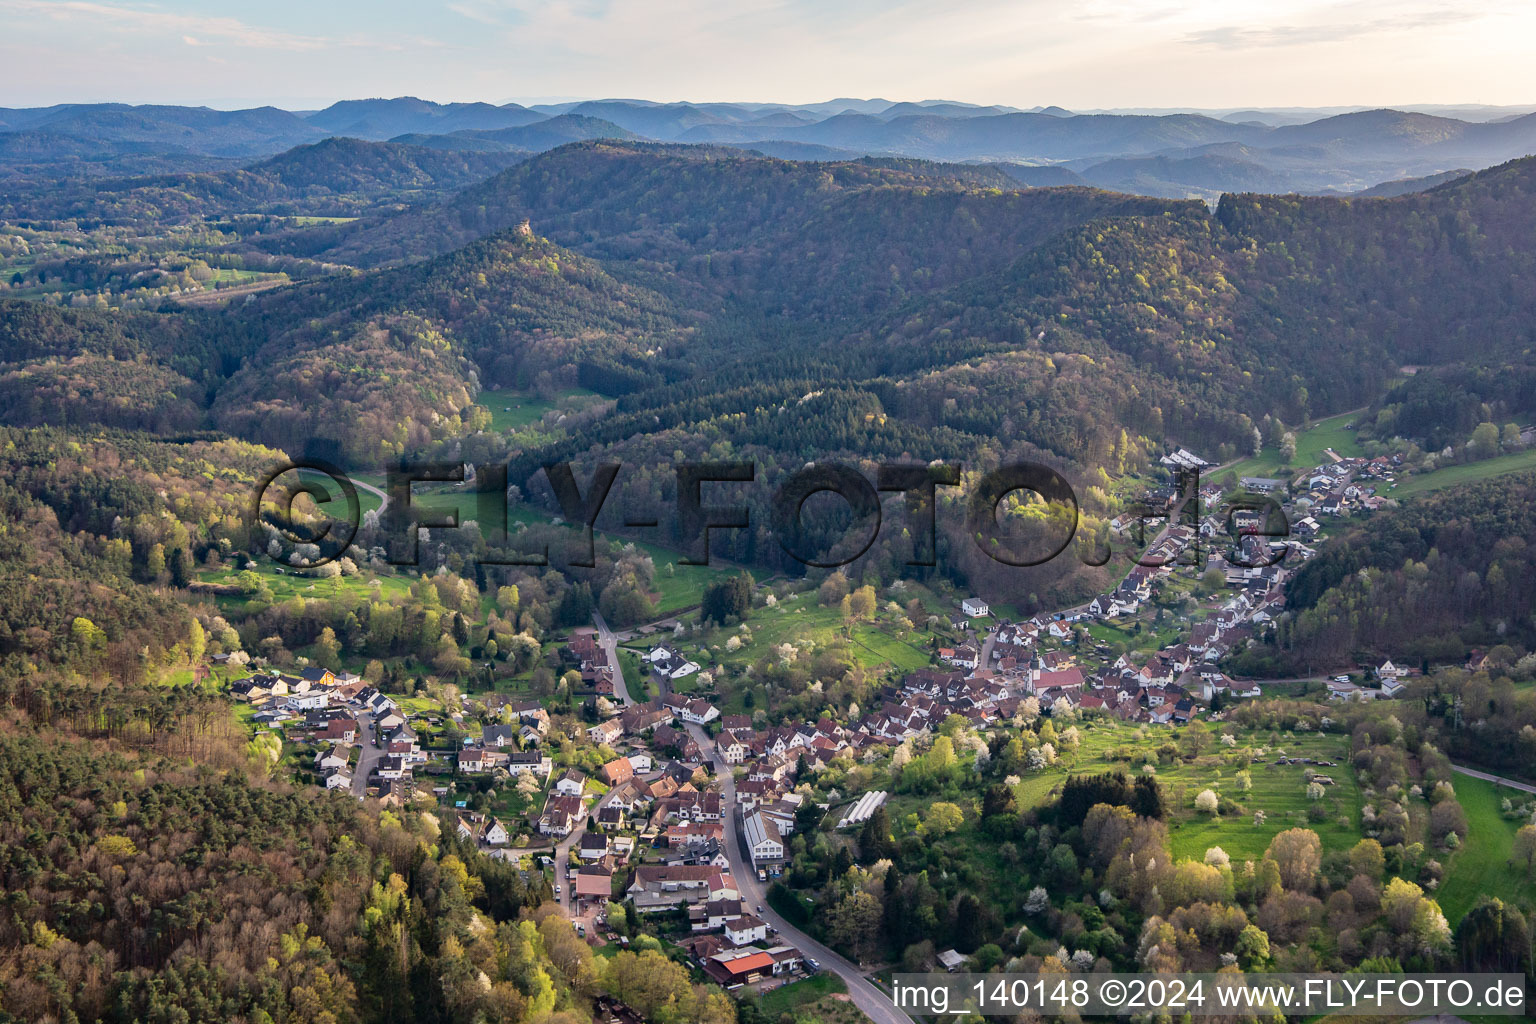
pixel 1174 155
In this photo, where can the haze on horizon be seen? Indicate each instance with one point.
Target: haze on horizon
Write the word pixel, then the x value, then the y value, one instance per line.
pixel 1026 53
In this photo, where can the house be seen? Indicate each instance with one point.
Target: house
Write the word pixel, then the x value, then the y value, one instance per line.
pixel 571 783
pixel 316 676
pixel 746 929
pixel 493 833
pixel 975 607
pixel 334 758
pixel 473 760
pixel 664 886
pixel 733 747
pixel 497 736
pixel 610 818
pixel 338 730
pixel 560 815
pixel 764 843
pixel 699 711
pixel 669 664
pixel 594 882
pixel 734 968
pixel 1261 484
pixel 616 771
pixel 965 656
pixel 1392 687
pixel 593 846
pixel 529 761
pixel 338 778
pixel 712 915
pixel 606 733
pixel 1387 670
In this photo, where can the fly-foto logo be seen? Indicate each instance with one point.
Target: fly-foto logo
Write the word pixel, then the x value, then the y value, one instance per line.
pixel 1253 520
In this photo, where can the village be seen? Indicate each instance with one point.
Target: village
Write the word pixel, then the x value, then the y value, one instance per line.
pixel 679 815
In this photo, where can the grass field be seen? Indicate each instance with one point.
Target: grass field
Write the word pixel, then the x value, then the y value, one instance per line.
pixel 799 618
pixel 1465 473
pixel 1279 791
pixel 516 410
pixel 813 999
pixel 1310 443
pixel 285 585
pixel 1482 864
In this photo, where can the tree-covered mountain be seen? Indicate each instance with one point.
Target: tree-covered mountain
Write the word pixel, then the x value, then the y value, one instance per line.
pixel 1430 581
pixel 335 177
pixel 1285 149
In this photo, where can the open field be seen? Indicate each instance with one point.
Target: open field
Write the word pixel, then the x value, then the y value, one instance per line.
pixel 285 585
pixel 1310 443
pixel 1277 790
pixel 800 618
pixel 1482 864
pixel 515 410
pixel 1464 473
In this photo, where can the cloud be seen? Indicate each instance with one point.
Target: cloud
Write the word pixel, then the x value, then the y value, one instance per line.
pixel 1335 29
pixel 89 18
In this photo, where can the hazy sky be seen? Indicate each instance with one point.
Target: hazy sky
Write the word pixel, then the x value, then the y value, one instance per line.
pixel 1075 53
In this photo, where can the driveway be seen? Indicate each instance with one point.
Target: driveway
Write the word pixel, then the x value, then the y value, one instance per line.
pixel 875 1003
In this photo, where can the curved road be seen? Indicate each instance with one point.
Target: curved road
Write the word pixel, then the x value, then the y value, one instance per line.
pixel 875 1003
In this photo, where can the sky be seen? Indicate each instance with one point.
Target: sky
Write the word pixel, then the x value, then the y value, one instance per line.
pixel 1079 54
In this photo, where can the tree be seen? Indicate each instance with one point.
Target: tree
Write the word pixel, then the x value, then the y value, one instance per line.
pixel 942 819
pixel 861 603
pixel 854 923
pixel 1485 441
pixel 1252 948
pixel 1147 798
pixel 328 649
pixel 1494 937
pixel 1524 854
pixel 875 842
pixel 1298 853
pixel 179 565
pixel 727 600
pixel 1366 858
pixel 1207 802
pixel 832 590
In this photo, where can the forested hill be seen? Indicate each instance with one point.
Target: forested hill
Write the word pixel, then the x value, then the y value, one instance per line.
pixel 334 177
pixel 671 203
pixel 1426 582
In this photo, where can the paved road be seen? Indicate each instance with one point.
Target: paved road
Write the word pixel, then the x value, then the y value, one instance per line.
pixel 610 646
pixel 562 856
pixel 1512 784
pixel 875 1003
pixel 375 491
pixel 368 755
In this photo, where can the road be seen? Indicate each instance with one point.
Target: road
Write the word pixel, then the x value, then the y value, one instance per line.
pixel 368 755
pixel 876 1005
pixel 375 491
pixel 610 646
pixel 562 856
pixel 1512 784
